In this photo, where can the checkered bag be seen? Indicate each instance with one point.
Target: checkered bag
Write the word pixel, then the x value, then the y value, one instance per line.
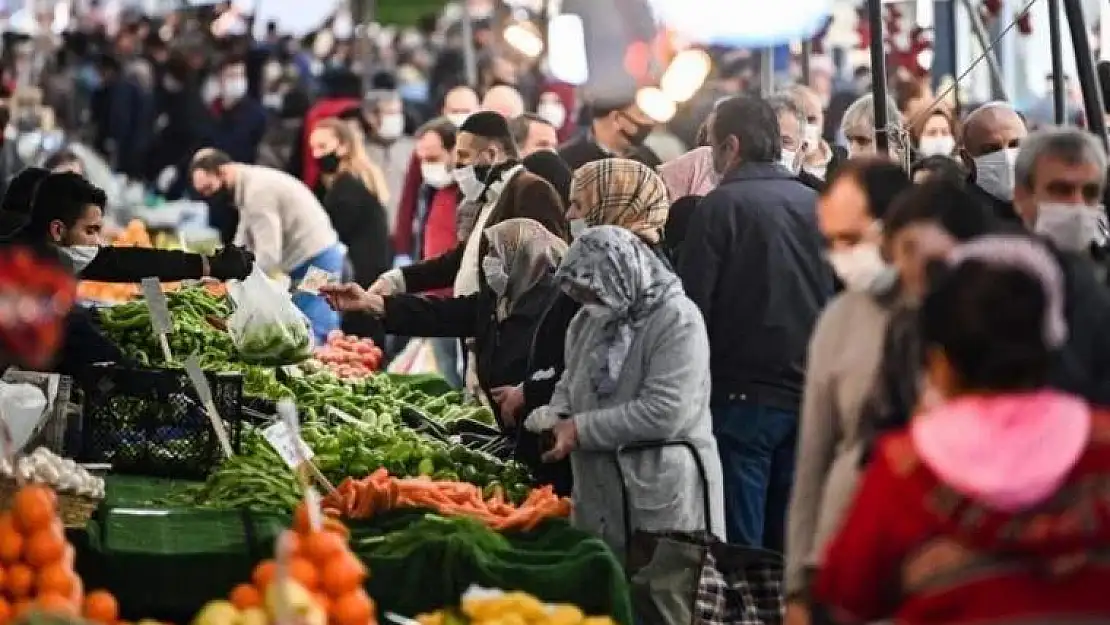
pixel 739 586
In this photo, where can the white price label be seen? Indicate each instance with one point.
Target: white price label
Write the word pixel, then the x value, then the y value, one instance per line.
pixel 159 307
pixel 292 449
pixel 196 376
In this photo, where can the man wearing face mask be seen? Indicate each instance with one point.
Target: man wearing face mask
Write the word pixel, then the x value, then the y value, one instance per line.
pixel 753 262
pixel 791 129
pixel 992 134
pixel 615 130
pixel 820 160
pixel 386 143
pixel 240 119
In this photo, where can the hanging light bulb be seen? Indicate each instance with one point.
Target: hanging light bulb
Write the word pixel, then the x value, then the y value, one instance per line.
pixel 686 74
pixel 656 104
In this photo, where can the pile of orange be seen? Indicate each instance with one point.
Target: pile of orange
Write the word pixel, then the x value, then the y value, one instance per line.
pixel 323 564
pixel 36 563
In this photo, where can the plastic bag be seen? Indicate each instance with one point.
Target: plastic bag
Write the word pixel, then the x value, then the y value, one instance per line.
pixel 24 408
pixel 266 327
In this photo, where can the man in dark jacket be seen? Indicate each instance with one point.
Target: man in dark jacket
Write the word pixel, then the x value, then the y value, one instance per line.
pixel 123 112
pixel 753 262
pixel 991 136
pixel 615 130
pixel 240 119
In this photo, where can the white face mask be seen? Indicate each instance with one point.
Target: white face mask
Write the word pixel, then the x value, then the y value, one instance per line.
pixel 936 146
pixel 577 226
pixel 234 89
pixel 994 173
pixel 77 257
pixel 392 126
pixel 812 137
pixel 496 278
pixel 789 157
pixel 468 182
pixel 553 112
pixel 273 101
pixel 435 175
pixel 1071 227
pixel 597 311
pixel 458 118
pixel 859 267
pixel 210 91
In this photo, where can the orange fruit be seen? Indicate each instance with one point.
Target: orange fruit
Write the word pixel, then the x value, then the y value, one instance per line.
pixel 301 522
pixel 101 607
pixel 21 579
pixel 323 601
pixel 56 578
pixel 319 547
pixel 53 602
pixel 335 526
pixel 45 546
pixel 245 596
pixel 5 610
pixel 11 541
pixel 352 608
pixel 20 606
pixel 293 542
pixel 264 574
pixel 305 573
pixel 34 508
pixel 342 574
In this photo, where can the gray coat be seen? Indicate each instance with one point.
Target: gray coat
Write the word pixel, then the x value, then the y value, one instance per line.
pixel 662 394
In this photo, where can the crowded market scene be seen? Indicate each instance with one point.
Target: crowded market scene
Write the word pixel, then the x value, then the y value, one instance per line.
pixel 565 312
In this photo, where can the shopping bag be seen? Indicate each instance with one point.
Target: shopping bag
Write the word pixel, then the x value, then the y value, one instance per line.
pixel 266 327
pixel 417 357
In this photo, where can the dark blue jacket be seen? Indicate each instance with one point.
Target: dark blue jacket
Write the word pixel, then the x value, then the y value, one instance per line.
pixel 753 262
pixel 238 131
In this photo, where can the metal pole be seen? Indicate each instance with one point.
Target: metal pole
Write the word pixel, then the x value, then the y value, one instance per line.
pixel 766 71
pixel 470 56
pixel 1059 103
pixel 807 53
pixel 1085 67
pixel 878 75
pixel 954 49
pixel 997 85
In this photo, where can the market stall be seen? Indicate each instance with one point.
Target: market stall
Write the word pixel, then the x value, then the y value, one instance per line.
pixel 202 479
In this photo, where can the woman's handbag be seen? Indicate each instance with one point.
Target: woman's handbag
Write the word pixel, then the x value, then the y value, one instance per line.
pixel 692 578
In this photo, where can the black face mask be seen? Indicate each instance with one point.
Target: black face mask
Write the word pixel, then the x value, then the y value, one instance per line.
pixel 482 172
pixel 329 163
pixel 641 133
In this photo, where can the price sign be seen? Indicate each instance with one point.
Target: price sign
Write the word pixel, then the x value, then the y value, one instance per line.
pixel 196 376
pixel 289 445
pixel 160 319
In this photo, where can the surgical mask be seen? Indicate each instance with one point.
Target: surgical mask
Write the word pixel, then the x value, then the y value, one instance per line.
pixel 496 278
pixel 77 257
pixel 1071 227
pixel 210 91
pixel 234 89
pixel 597 311
pixel 859 267
pixel 788 158
pixel 392 126
pixel 553 112
pixel 577 226
pixel 273 101
pixel 435 175
pixel 994 173
pixel 936 146
pixel 812 137
pixel 468 182
pixel 458 119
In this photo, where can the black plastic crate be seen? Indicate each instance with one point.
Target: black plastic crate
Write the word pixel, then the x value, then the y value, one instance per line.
pixel 151 422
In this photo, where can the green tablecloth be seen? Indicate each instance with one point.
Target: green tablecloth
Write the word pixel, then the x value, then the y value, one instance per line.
pixel 167 563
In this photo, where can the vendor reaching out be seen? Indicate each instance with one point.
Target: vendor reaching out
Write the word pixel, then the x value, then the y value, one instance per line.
pixel 67 215
pixel 518 317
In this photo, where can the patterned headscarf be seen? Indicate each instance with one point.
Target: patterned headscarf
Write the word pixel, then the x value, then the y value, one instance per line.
pixel 621 192
pixel 528 252
pixel 625 275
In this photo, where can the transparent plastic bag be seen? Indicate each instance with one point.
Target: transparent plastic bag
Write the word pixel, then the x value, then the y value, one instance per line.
pixel 266 327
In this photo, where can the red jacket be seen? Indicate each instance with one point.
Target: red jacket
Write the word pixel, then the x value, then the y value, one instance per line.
pixel 915 550
pixel 321 110
pixel 406 209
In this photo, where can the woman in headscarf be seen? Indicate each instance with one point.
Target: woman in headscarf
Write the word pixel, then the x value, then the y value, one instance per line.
pixel 690 174
pixel 637 372
pixel 518 319
pixel 624 193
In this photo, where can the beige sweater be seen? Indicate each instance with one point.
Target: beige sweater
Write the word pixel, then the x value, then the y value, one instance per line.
pixel 280 219
pixel 844 356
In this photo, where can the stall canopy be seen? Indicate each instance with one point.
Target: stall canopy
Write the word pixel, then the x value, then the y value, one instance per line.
pixel 739 24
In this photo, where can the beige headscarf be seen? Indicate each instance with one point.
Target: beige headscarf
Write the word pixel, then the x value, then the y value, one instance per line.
pixel 527 252
pixel 621 192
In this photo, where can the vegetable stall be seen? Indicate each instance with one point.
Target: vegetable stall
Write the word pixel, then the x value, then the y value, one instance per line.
pixel 420 479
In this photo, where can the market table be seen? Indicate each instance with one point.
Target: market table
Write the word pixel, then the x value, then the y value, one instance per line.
pixel 166 563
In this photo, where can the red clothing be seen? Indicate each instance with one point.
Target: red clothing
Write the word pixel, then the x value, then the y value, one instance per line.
pixel 406 209
pixel 439 228
pixel 915 550
pixel 321 110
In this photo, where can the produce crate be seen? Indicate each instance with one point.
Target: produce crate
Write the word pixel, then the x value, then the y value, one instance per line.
pixel 150 421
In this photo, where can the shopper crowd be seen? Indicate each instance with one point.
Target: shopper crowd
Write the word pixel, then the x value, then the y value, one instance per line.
pixel 894 376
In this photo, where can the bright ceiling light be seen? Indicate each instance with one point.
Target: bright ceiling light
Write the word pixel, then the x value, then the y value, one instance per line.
pixel 655 104
pixel 925 59
pixel 522 36
pixel 566 49
pixel 685 75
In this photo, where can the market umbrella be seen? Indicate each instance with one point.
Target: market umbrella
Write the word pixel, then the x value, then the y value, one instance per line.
pixel 742 24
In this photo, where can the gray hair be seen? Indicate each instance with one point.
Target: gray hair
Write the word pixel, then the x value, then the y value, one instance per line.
pixel 861 114
pixel 1071 145
pixel 784 103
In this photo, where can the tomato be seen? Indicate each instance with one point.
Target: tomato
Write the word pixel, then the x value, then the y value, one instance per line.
pixel 334 336
pixel 364 348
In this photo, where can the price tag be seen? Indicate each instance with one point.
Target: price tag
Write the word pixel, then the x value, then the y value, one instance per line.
pixel 292 449
pixel 196 376
pixel 315 278
pixel 160 319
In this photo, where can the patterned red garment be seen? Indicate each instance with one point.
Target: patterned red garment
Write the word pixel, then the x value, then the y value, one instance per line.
pixel 35 297
pixel 914 550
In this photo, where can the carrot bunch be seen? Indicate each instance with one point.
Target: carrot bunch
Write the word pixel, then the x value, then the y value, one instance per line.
pixel 36 563
pixel 361 499
pixel 323 564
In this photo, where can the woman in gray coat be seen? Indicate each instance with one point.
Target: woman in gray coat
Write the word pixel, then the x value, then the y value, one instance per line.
pixel 637 370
